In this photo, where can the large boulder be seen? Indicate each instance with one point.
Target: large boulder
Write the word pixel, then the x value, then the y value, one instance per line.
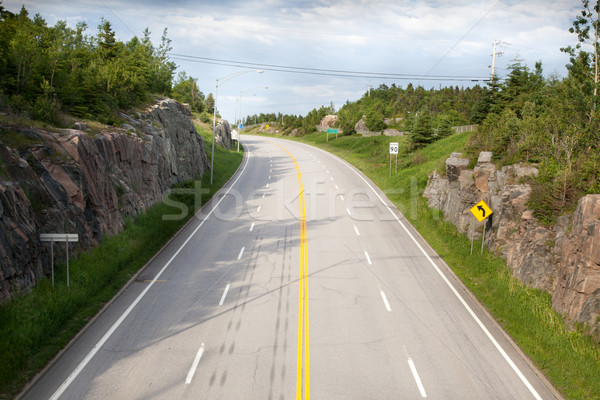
pixel 223 135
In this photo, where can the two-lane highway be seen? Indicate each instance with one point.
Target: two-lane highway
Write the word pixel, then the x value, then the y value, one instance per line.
pixel 300 279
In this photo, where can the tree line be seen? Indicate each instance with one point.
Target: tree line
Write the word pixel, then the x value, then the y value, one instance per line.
pixel 550 122
pixel 46 71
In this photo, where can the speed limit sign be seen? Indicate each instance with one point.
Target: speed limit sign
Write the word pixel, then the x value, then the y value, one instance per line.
pixel 394 148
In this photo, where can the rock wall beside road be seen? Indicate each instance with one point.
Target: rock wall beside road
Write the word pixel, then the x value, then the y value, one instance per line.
pixel 563 260
pixel 75 181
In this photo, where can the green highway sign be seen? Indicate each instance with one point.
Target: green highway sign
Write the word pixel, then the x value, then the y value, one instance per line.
pixel 332 130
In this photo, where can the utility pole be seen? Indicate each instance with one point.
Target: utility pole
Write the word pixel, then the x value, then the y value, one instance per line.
pixel 595 24
pixel 369 86
pixel 494 54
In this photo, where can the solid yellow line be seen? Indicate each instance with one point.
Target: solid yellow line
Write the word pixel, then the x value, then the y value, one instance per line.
pixel 303 360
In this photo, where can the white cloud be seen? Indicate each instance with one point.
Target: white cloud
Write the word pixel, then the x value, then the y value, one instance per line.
pixel 451 37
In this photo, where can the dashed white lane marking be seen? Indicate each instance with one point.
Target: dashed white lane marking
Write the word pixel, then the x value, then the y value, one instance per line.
pixel 331 177
pixel 356 230
pixel 506 357
pixel 190 374
pixel 348 211
pixel 65 385
pixel 336 187
pixel 413 369
pixel 241 252
pixel 385 300
pixel 224 295
pixel 368 258
pixel 267 185
pixel 258 209
pixel 342 197
pixel 264 194
pixel 252 227
pixel 327 171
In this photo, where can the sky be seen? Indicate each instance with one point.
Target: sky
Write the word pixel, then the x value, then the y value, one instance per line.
pixel 432 43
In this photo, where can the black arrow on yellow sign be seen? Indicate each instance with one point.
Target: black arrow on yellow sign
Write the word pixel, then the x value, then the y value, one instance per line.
pixel 481 211
pixel 480 208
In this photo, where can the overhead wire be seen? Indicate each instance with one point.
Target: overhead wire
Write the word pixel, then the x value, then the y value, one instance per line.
pixel 322 71
pixel 463 37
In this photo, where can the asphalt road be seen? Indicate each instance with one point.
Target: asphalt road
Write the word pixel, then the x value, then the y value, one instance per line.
pixel 300 279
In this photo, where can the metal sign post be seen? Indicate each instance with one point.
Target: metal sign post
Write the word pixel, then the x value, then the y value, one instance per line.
pixel 59 237
pixel 393 150
pixel 330 130
pixel 481 211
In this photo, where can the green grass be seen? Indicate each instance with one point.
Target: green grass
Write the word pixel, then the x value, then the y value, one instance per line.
pixel 34 327
pixel 569 358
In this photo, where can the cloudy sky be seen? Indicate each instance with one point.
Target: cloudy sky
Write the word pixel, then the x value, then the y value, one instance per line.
pixel 423 42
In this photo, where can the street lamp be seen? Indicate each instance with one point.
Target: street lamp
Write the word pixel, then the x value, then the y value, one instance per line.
pixel 219 83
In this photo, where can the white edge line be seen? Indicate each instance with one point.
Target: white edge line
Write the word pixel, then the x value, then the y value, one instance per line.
pixel 224 295
pixel 190 374
pixel 385 300
pixel 445 279
pixel 368 258
pixel 241 252
pixel 118 322
pixel 413 369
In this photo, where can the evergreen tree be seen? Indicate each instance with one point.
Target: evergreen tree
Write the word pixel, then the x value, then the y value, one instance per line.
pixel 422 133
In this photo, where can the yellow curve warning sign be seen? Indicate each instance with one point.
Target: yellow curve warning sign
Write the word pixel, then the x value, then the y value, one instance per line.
pixel 481 211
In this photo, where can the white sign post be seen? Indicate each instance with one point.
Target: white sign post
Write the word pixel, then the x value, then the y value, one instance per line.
pixel 59 237
pixel 393 150
pixel 236 136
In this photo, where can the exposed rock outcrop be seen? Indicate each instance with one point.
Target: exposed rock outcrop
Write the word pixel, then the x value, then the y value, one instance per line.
pixel 578 250
pixel 563 260
pixel 328 122
pixel 77 182
pixel 223 134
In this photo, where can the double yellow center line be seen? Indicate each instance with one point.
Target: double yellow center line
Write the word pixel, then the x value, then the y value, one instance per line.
pixel 303 364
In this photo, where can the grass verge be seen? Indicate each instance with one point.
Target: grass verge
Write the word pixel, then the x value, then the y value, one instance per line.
pixel 570 359
pixel 34 327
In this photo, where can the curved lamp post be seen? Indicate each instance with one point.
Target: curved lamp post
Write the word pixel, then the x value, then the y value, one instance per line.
pixel 219 83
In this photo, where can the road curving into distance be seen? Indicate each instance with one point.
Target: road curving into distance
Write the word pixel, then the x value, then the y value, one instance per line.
pixel 222 312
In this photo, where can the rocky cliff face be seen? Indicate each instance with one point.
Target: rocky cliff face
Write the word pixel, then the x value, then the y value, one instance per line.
pixel 73 181
pixel 563 260
pixel 223 134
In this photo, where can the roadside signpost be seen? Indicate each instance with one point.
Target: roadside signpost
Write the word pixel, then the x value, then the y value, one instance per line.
pixel 330 130
pixel 236 136
pixel 59 237
pixel 393 150
pixel 480 211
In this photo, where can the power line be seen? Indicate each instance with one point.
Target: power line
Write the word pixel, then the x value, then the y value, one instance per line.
pixel 463 36
pixel 322 71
